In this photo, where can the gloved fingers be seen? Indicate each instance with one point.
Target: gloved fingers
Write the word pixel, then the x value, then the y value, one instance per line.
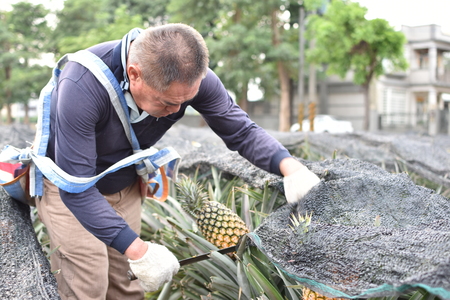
pixel 156 267
pixel 298 184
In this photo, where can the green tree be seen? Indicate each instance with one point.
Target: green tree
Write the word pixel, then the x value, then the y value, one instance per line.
pixel 104 31
pixel 75 20
pixel 284 54
pixel 153 12
pixel 7 59
pixel 24 35
pixel 27 84
pixel 347 41
pixel 239 47
pixel 225 32
pixel 249 41
pixel 204 15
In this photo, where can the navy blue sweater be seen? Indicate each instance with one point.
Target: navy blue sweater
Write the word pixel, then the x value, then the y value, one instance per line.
pixel 87 137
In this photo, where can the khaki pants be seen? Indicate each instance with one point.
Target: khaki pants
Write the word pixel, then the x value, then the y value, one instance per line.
pixel 88 269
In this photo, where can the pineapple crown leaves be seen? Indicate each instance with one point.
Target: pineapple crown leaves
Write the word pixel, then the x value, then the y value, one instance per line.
pixel 377 221
pixel 301 223
pixel 191 195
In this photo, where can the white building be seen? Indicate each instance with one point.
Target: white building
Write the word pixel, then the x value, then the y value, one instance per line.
pixel 417 99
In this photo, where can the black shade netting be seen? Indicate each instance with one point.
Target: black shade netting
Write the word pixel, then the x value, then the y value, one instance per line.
pixel 25 271
pixel 372 234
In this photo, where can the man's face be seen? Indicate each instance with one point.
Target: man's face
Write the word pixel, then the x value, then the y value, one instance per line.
pixel 160 104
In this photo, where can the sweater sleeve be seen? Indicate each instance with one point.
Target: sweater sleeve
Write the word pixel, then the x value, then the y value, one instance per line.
pixel 234 126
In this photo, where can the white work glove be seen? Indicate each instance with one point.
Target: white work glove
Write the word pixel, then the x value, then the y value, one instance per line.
pixel 298 184
pixel 155 268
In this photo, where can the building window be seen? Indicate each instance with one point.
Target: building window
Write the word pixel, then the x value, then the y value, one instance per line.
pixel 444 67
pixel 395 112
pixel 423 60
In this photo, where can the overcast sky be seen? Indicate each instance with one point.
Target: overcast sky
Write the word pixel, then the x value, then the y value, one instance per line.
pixel 410 12
pixel 396 12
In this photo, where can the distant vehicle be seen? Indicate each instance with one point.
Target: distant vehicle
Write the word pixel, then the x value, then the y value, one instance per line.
pixel 325 123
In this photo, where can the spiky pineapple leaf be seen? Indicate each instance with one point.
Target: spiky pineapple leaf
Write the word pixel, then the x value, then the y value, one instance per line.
pixel 191 195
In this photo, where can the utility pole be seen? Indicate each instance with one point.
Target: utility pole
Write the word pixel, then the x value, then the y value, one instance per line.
pixel 301 62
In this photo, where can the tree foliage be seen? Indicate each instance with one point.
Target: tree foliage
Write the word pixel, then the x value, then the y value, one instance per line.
pixel 204 15
pixel 249 41
pixel 347 41
pixel 153 12
pixel 123 22
pixel 239 46
pixel 76 19
pixel 77 30
pixel 23 37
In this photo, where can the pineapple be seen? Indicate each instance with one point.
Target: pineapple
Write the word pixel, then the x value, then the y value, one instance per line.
pixel 301 223
pixel 218 224
pixel 308 294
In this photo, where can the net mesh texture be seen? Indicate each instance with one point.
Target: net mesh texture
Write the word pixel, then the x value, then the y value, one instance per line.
pixel 372 234
pixel 25 269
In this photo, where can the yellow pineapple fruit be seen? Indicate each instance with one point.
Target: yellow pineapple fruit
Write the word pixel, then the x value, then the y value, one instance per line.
pixel 218 224
pixel 308 294
pixel 300 225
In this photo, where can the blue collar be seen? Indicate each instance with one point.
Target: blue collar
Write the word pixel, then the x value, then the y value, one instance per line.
pixel 120 55
pixel 116 63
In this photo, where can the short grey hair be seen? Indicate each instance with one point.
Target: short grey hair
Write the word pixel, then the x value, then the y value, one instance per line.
pixel 170 53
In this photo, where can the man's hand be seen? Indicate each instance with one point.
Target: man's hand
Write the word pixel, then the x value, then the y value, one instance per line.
pixel 298 180
pixel 156 267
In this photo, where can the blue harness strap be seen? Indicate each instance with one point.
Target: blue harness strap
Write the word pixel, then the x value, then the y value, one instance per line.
pixel 73 184
pixel 147 162
pixel 43 129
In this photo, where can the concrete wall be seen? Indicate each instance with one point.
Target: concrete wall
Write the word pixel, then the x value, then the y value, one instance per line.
pixel 348 107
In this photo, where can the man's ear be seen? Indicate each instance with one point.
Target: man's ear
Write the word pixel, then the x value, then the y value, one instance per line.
pixel 134 73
